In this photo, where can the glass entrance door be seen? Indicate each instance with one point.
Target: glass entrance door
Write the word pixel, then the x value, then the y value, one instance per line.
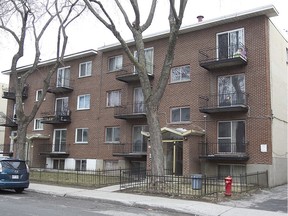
pixel 173 157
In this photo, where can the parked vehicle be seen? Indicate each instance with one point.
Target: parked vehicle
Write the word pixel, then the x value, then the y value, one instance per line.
pixel 14 174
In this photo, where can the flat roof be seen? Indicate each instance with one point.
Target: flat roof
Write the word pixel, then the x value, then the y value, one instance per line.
pixel 268 10
pixel 69 57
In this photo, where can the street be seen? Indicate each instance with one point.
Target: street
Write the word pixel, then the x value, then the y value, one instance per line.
pixel 35 204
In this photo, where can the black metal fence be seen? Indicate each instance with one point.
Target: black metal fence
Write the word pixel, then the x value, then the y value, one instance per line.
pixel 189 186
pixel 142 181
pixel 88 178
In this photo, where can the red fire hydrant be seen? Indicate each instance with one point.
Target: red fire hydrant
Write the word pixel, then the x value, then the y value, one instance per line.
pixel 228 185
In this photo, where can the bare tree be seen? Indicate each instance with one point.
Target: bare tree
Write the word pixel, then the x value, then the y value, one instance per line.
pixel 152 95
pixel 34 18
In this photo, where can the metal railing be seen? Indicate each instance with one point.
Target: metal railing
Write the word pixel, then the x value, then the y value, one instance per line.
pixel 222 53
pixel 58 116
pixel 189 186
pixel 130 109
pixel 52 148
pixel 89 178
pixel 230 148
pixel 130 148
pixel 229 99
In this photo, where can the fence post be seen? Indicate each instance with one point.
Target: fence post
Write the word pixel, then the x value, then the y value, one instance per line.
pixel 120 182
pixel 58 176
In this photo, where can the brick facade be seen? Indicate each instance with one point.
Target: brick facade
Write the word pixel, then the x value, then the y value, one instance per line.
pixel 257 117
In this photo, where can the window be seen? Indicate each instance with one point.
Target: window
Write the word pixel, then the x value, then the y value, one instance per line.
pixel 38 125
pixel 81 135
pixel 138 101
pixel 233 170
pixel 180 74
pixel 83 102
pixel 113 98
pixel 61 107
pixel 229 43
pixel 231 90
pixel 149 56
pixel 231 137
pixel 63 77
pixel 85 69
pixel 112 135
pixel 181 114
pixel 59 141
pixel 80 165
pixel 58 164
pixel 39 94
pixel 139 141
pixel 115 63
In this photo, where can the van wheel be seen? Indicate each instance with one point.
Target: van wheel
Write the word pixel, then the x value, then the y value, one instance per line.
pixel 19 190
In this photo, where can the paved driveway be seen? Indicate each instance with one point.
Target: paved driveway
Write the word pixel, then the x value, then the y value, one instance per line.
pixel 274 199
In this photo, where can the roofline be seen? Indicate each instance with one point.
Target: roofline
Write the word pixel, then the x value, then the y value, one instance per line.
pixel 69 57
pixel 268 10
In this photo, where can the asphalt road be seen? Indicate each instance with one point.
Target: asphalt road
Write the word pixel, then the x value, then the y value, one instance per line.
pixel 35 204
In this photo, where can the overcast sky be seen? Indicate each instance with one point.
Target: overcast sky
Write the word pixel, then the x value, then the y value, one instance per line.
pixel 88 33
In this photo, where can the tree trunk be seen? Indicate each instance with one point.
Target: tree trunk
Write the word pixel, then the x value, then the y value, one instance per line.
pixel 21 142
pixel 157 159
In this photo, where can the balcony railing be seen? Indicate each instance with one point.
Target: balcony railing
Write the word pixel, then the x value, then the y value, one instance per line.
pixel 228 102
pixel 223 56
pixel 61 86
pixel 130 111
pixel 53 150
pixel 136 149
pixel 58 117
pixel 7 121
pixel 224 151
pixel 129 74
pixel 9 93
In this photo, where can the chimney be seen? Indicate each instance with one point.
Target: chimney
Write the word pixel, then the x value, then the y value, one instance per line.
pixel 200 18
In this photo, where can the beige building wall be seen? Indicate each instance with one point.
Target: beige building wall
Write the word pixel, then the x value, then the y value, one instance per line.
pixel 3 108
pixel 279 102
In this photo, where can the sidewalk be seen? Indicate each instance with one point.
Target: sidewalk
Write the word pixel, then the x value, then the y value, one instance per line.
pixel 108 194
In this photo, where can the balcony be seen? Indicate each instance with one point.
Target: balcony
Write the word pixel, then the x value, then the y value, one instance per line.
pixel 128 74
pixel 233 151
pixel 130 150
pixel 222 57
pixel 60 117
pixel 54 150
pixel 9 93
pixel 61 87
pixel 219 103
pixel 130 111
pixel 6 121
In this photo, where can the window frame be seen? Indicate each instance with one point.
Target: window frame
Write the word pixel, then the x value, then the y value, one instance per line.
pixel 86 69
pixel 115 66
pixel 113 134
pixel 38 96
pixel 78 102
pixel 180 80
pixel 108 94
pixel 40 123
pixel 81 162
pixel 76 135
pixel 180 121
pixel 242 30
pixel 231 137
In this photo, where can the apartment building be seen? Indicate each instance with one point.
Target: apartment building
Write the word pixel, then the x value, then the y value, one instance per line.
pixel 3 107
pixel 224 111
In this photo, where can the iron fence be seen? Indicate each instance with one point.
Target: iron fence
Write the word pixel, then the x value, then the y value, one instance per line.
pixel 89 178
pixel 189 186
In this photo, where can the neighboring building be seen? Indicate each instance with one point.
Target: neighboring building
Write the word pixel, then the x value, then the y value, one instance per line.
pixel 3 108
pixel 224 111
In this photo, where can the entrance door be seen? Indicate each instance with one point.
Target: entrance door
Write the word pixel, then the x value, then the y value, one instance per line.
pixel 59 140
pixel 173 157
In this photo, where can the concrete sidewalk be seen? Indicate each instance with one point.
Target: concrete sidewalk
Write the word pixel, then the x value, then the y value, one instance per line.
pixel 108 194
